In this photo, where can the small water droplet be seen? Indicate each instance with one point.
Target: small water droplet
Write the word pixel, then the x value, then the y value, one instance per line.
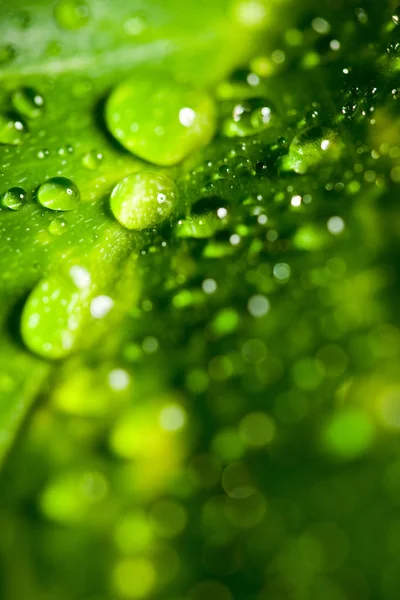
pixel 396 16
pixel 92 160
pixel 249 117
pixel 15 198
pixel 58 193
pixel 58 226
pixel 241 84
pixel 43 153
pixel 143 200
pixel 12 129
pixel 349 109
pixel 161 123
pixel 393 48
pixel 72 14
pixel 28 101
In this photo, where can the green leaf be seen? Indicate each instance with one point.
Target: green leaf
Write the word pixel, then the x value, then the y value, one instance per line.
pixel 59 63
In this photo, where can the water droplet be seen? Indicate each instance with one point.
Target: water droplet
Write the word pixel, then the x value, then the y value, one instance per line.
pixel 58 193
pixel 14 198
pixel 54 313
pixel 396 16
pixel 143 200
pixel 92 160
pixel 43 153
pixel 28 101
pixel 72 14
pixel 241 84
pixel 58 226
pixel 249 117
pixel 393 48
pixel 163 122
pixel 311 148
pixel 349 109
pixel 7 53
pixel 199 226
pixel 12 129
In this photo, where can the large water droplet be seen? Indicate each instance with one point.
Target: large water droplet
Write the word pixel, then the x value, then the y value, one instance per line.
pixel 249 117
pixel 160 120
pixel 14 198
pixel 58 193
pixel 54 312
pixel 311 148
pixel 28 102
pixel 72 14
pixel 143 199
pixel 12 129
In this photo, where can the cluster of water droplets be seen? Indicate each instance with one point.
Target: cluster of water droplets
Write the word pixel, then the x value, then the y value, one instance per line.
pixel 245 105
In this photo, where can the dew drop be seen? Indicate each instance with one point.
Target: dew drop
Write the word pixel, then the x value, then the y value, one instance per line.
pixel 311 148
pixel 72 14
pixel 92 160
pixel 15 198
pixel 161 123
pixel 28 101
pixel 12 129
pixel 58 193
pixel 393 48
pixel 249 117
pixel 143 200
pixel 54 313
pixel 58 226
pixel 241 84
pixel 199 226
pixel 43 153
pixel 396 16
